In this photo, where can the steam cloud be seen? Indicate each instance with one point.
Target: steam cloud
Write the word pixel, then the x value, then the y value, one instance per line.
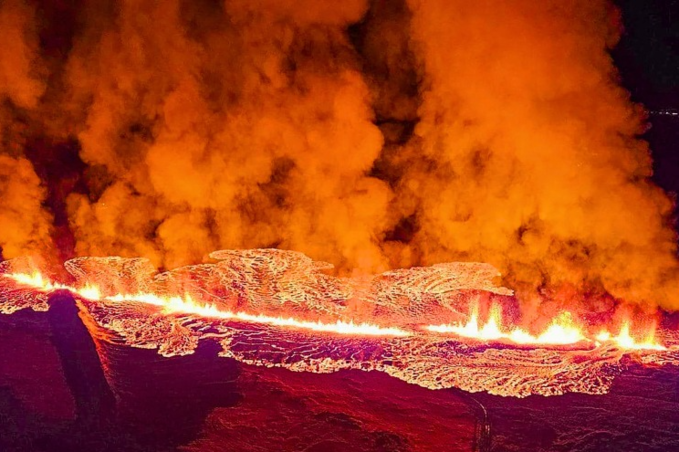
pixel 371 135
pixel 24 224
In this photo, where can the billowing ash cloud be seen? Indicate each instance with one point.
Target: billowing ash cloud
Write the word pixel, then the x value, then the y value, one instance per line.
pixel 24 224
pixel 529 157
pixel 372 135
pixel 246 124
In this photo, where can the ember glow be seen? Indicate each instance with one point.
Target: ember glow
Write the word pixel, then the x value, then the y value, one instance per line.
pixel 455 193
pixel 186 305
pixel 438 327
pixel 563 330
pixel 625 340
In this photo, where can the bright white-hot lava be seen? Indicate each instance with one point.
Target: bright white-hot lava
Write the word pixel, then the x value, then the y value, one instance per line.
pixel 563 330
pixel 186 305
pixel 625 340
pixel 278 308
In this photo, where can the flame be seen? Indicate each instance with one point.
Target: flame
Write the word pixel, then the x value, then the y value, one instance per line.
pixel 625 340
pixel 186 305
pixel 37 281
pixel 563 330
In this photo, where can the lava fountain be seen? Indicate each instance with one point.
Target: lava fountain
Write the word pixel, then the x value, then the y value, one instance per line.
pixel 278 308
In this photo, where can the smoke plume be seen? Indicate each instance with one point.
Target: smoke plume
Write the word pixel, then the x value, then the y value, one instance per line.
pixel 24 224
pixel 245 125
pixel 529 154
pixel 371 135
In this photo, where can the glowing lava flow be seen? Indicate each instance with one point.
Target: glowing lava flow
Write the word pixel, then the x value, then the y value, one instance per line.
pixel 260 307
pixel 624 340
pixel 36 281
pixel 561 331
pixel 186 305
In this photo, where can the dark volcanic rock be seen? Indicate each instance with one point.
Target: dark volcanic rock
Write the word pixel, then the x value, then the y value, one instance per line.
pixel 79 360
pixel 61 389
pixel 346 410
pixel 163 401
pixel 30 367
pixel 35 400
pixel 641 413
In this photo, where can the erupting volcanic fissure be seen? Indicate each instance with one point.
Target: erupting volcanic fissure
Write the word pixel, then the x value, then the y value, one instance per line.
pixel 562 330
pixel 371 135
pixel 399 143
pixel 186 305
pixel 316 322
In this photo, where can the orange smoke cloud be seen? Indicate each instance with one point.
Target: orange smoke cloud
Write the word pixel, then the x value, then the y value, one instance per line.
pixel 529 155
pixel 366 134
pixel 24 224
pixel 250 126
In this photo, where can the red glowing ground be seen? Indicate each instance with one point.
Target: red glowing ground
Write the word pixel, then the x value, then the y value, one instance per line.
pixel 277 308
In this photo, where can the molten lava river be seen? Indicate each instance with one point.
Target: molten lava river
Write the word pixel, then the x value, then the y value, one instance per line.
pixel 439 327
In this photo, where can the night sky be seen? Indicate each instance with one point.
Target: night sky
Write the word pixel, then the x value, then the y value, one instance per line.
pixel 648 59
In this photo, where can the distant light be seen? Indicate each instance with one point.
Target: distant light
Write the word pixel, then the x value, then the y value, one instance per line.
pixel 672 112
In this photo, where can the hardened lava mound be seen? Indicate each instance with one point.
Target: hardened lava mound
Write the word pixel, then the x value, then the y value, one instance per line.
pixel 273 287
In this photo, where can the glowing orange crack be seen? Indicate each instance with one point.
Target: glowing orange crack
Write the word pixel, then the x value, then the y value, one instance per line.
pixel 561 331
pixel 186 305
pixel 624 340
